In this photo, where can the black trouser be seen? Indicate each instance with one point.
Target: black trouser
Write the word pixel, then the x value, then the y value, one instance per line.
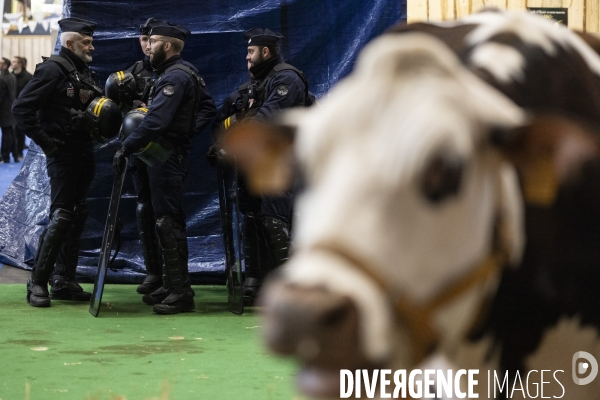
pixel 279 207
pixel 145 217
pixel 139 173
pixel 166 183
pixel 266 231
pixel 71 173
pixel 9 144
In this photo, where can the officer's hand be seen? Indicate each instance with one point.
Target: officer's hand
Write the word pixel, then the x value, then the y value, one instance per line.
pixel 232 120
pixel 51 147
pixel 138 104
pixel 119 161
pixel 212 154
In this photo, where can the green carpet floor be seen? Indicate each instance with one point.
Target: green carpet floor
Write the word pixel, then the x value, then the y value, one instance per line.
pixel 62 352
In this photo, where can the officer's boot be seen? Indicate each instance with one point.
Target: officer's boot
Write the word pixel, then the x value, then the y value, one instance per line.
pixel 252 260
pixel 277 235
pixel 150 249
pixel 158 295
pixel 50 242
pixel 182 247
pixel 181 297
pixel 63 282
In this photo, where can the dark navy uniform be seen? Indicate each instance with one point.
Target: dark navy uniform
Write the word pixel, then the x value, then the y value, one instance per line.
pixel 275 86
pixel 145 75
pixel 44 113
pixel 179 105
pixel 171 117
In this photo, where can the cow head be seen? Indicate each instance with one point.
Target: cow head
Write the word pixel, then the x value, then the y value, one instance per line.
pixel 405 194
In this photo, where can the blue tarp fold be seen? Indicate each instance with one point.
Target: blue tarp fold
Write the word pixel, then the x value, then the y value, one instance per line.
pixel 322 38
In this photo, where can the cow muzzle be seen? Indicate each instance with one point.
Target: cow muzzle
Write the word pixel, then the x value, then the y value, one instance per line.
pixel 318 327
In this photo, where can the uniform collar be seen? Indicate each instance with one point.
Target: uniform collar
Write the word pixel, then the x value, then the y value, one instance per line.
pixel 261 70
pixel 167 63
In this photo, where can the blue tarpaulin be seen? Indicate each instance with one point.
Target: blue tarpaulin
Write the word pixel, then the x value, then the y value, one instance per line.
pixel 322 38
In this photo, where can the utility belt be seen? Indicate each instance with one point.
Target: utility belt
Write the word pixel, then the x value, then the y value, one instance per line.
pixel 65 129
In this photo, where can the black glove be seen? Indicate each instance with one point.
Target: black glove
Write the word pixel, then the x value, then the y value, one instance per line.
pixel 232 120
pixel 212 154
pixel 51 146
pixel 119 161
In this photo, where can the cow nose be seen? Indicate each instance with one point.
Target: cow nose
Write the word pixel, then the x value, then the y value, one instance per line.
pixel 311 323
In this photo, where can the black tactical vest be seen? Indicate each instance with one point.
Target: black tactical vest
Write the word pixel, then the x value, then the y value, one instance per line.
pixel 184 120
pixel 84 90
pixel 144 80
pixel 256 91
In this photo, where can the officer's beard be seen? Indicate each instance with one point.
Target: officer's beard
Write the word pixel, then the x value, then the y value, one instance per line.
pixel 87 58
pixel 251 65
pixel 158 56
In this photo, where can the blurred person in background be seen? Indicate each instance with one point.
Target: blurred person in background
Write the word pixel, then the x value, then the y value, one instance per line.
pixel 23 77
pixel 8 92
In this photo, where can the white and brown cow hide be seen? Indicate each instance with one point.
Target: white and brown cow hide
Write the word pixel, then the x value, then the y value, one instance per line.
pixel 421 167
pixel 548 70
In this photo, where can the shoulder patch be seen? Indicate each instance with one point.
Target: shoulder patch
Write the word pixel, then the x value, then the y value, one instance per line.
pixel 282 90
pixel 169 90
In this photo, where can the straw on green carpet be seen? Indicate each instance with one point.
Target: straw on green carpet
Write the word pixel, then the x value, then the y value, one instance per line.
pixel 130 353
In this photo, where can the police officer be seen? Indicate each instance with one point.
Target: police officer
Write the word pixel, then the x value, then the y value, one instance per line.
pixel 142 70
pixel 274 86
pixel 178 106
pixel 62 87
pixel 144 75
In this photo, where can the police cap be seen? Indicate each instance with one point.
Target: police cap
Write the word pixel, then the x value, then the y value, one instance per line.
pixel 171 30
pixel 78 25
pixel 150 22
pixel 262 37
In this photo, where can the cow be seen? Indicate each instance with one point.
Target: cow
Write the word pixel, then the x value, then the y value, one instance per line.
pixel 450 206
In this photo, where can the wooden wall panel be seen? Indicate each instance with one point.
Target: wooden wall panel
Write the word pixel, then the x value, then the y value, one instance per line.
pixel 584 15
pixel 463 8
pixel 416 11
pixel 592 9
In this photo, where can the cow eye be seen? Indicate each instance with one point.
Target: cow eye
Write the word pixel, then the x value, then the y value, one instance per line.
pixel 442 177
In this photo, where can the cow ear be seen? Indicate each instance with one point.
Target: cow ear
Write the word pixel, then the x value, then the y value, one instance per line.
pixel 263 151
pixel 548 152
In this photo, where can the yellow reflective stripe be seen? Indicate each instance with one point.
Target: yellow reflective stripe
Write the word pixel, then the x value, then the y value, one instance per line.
pixel 147 146
pixel 144 109
pixel 227 123
pixel 96 107
pixel 99 105
pixel 120 75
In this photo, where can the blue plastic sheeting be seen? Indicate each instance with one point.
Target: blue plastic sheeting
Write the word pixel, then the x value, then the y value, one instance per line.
pixel 322 38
